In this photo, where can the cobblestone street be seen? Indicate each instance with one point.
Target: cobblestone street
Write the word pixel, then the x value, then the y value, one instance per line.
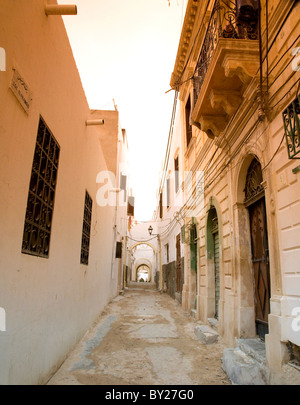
pixel 143 338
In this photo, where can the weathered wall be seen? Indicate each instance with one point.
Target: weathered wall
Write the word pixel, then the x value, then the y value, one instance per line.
pixel 247 135
pixel 170 277
pixel 50 302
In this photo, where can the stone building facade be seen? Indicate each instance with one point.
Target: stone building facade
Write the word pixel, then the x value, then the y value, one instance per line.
pixel 237 75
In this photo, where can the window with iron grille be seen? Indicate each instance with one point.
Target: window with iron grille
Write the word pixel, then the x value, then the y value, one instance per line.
pixel 40 202
pixel 291 122
pixel 86 229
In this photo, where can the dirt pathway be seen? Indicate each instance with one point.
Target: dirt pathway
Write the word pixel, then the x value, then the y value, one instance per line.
pixel 143 338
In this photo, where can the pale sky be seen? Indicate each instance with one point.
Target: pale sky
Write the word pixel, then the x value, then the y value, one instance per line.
pixel 125 50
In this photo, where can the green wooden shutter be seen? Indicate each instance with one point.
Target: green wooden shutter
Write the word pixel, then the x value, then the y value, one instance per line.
pixel 193 248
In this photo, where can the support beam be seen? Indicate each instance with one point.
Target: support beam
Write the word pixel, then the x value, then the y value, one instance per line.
pixel 94 122
pixel 55 9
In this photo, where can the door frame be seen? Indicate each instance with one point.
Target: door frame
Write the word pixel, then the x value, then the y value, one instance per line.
pixel 210 264
pixel 243 269
pixel 261 325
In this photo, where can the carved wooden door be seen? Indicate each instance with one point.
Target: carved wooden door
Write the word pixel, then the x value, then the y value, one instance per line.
pixel 260 260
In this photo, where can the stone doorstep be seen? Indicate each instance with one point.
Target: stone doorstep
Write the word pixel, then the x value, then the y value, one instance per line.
pixel 206 334
pixel 242 369
pixel 246 363
pixel 140 286
pixel 254 348
pixel 213 323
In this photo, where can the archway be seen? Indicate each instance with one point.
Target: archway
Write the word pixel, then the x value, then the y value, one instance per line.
pixel 255 203
pixel 143 273
pixel 213 255
pixel 144 260
pixel 252 250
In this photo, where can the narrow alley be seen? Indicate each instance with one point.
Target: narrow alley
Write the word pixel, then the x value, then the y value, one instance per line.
pixel 143 338
pixel 150 193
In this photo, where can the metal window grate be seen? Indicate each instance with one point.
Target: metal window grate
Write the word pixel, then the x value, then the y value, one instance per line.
pixel 253 188
pixel 291 122
pixel 40 202
pixel 86 229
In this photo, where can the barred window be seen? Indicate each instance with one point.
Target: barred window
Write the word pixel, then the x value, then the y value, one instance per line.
pixel 86 229
pixel 40 202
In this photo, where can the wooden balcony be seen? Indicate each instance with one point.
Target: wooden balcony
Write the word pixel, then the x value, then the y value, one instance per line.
pixel 229 59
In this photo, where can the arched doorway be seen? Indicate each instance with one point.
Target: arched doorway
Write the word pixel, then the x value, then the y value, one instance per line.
pixel 143 273
pixel 142 254
pixel 213 254
pixel 255 203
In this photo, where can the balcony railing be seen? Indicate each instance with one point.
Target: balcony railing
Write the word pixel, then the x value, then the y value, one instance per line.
pixel 291 122
pixel 229 19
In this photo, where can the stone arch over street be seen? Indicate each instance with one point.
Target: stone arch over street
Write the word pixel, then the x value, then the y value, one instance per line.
pixel 143 271
pixel 142 254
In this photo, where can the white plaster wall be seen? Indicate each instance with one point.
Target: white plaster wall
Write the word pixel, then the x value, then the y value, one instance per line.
pixel 49 303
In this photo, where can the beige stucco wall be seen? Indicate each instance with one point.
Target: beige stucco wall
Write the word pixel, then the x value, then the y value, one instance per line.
pixel 49 303
pixel 224 187
pixel 168 227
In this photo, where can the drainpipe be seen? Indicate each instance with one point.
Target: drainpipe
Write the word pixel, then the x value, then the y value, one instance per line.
pixel 94 122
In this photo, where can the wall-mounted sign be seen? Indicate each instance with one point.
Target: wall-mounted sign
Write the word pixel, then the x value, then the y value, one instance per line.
pixel 21 90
